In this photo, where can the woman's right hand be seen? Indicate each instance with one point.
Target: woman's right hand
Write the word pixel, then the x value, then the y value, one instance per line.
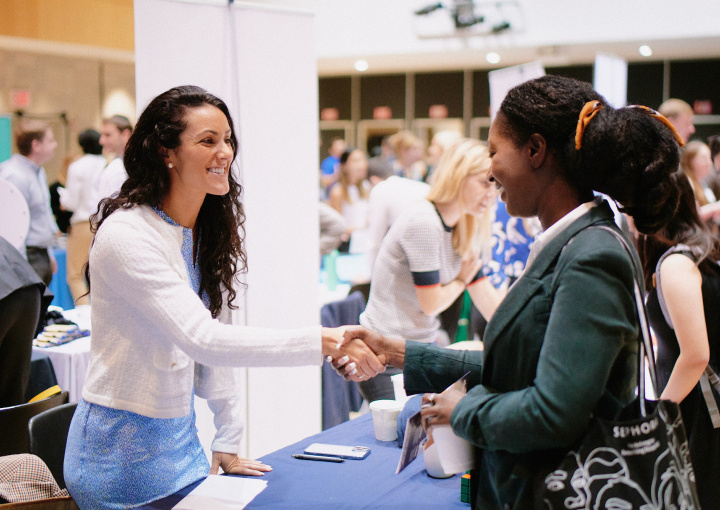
pixel 389 351
pixel 359 360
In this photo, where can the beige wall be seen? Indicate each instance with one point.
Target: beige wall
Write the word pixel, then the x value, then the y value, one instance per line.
pixel 86 90
pixel 74 57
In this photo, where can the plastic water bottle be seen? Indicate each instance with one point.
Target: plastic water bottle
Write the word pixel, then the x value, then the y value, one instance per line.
pixel 331 277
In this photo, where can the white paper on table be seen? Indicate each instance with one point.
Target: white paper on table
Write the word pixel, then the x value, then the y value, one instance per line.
pixel 222 493
pixel 455 453
pixel 398 381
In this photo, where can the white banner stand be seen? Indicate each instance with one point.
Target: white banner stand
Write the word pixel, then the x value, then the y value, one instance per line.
pixel 502 80
pixel 261 61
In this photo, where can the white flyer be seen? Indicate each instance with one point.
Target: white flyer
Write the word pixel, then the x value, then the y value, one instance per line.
pixel 222 493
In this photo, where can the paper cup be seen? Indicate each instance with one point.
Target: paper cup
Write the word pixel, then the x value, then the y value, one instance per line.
pixel 384 415
pixel 432 462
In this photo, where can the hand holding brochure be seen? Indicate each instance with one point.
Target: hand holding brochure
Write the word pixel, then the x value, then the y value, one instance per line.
pixel 454 452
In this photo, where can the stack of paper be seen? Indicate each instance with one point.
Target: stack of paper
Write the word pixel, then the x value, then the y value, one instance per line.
pixel 222 493
pixel 58 334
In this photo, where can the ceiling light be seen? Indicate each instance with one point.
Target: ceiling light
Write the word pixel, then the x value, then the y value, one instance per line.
pixel 361 65
pixel 492 57
pixel 645 50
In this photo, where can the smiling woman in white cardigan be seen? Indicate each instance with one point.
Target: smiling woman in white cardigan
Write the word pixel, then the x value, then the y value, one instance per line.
pixel 162 270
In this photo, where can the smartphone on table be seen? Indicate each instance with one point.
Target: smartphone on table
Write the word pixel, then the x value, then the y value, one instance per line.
pixel 336 450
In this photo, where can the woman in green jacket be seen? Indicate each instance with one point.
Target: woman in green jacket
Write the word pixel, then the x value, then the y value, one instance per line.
pixel 562 345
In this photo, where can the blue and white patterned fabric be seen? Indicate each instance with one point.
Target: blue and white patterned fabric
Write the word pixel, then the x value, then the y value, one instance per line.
pixel 510 247
pixel 118 459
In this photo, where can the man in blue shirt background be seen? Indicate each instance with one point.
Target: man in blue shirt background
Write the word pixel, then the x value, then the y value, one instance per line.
pixel 328 167
pixel 36 146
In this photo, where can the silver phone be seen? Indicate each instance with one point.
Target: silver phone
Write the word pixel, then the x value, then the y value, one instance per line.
pixel 336 450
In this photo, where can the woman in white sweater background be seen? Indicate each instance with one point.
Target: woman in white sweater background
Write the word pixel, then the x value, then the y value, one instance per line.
pixel 162 270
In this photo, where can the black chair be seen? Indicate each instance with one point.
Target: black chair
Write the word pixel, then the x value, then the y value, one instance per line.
pixel 14 420
pixel 48 437
pixel 42 375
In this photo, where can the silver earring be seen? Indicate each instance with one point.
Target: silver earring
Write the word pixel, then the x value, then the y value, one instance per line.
pixel 169 165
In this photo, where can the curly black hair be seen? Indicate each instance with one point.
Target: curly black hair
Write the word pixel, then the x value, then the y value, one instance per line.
pixel 221 219
pixel 625 153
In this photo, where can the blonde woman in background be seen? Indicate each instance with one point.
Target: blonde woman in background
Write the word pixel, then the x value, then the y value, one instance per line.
pixel 431 254
pixel 696 164
pixel 350 195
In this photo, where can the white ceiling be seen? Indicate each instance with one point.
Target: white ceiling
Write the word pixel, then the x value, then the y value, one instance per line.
pixel 391 38
pixel 387 34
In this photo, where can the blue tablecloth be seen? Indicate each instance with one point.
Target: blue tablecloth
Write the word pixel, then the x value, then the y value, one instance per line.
pixel 58 285
pixel 357 484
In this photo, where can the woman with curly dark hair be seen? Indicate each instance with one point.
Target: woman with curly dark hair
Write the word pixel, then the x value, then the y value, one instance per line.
pixel 562 346
pixel 163 271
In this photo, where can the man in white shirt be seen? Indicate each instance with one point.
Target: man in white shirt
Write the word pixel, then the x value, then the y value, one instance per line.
pixel 680 115
pixel 114 136
pixel 79 197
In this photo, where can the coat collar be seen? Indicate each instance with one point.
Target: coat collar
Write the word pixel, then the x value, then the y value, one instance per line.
pixel 527 286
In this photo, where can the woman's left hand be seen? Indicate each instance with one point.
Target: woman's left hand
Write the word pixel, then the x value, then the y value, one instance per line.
pixel 437 407
pixel 231 463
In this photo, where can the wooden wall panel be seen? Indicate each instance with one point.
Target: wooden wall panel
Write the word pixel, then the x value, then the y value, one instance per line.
pixel 105 23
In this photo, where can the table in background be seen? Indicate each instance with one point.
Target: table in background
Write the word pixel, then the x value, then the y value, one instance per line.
pixel 358 484
pixel 70 362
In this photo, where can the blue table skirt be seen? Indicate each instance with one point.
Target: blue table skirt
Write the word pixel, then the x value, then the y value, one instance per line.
pixel 358 484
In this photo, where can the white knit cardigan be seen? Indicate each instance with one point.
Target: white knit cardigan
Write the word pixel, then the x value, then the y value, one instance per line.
pixel 153 339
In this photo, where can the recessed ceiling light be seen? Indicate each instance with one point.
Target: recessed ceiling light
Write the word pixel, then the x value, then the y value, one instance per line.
pixel 361 65
pixel 492 57
pixel 645 50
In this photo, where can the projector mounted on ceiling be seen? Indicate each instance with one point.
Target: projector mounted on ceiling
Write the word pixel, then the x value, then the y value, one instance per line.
pixel 466 17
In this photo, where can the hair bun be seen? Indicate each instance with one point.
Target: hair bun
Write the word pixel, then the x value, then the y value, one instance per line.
pixel 629 156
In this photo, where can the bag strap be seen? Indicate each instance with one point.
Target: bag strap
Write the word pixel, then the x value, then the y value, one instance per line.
pixel 679 248
pixel 645 350
pixel 710 399
pixel 709 377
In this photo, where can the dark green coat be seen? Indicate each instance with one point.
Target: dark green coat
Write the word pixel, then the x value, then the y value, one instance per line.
pixel 565 336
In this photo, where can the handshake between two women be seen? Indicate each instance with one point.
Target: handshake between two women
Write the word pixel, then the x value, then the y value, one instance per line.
pixel 358 354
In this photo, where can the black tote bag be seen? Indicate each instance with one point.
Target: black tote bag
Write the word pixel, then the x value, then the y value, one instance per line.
pixel 638 461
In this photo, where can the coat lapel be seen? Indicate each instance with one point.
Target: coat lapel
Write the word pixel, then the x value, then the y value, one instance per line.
pixel 532 279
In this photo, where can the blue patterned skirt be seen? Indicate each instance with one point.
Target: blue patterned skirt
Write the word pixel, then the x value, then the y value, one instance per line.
pixel 119 459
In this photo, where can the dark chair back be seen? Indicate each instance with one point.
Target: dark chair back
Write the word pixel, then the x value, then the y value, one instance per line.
pixel 339 397
pixel 48 437
pixel 66 503
pixel 14 420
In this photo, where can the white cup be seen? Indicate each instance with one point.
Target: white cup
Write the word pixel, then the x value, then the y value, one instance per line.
pixel 384 415
pixel 432 462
